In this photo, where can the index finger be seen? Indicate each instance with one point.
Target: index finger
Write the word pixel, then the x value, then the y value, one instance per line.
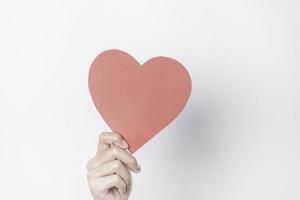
pixel 106 139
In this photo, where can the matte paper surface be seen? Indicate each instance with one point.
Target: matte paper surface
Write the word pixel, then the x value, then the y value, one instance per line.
pixel 137 100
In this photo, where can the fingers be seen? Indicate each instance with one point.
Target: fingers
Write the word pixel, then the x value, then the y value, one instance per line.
pixel 106 139
pixel 115 181
pixel 103 184
pixel 111 168
pixel 108 172
pixel 115 153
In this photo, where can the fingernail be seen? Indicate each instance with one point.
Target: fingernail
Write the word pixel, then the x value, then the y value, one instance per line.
pixel 124 144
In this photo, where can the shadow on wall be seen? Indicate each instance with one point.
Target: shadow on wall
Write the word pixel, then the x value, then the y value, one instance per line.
pixel 200 135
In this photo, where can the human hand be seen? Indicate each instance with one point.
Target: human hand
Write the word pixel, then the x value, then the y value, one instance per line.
pixel 109 175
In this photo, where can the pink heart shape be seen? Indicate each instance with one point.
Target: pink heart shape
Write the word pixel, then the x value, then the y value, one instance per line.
pixel 137 100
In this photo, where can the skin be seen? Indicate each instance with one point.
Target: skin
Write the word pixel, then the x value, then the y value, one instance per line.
pixel 109 171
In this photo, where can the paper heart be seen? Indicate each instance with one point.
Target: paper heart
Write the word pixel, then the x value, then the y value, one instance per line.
pixel 137 100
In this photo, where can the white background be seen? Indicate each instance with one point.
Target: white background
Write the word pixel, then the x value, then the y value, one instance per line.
pixel 237 139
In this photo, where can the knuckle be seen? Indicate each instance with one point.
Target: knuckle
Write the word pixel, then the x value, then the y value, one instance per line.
pixel 127 177
pixel 101 136
pixel 92 162
pixel 123 184
pixel 116 137
pixel 115 150
pixel 117 164
pixel 116 178
pixel 89 164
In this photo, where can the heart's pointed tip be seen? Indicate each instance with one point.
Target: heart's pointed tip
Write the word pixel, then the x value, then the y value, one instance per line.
pixel 132 151
pixel 112 69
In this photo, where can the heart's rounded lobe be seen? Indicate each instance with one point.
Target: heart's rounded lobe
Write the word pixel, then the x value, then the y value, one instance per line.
pixel 137 100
